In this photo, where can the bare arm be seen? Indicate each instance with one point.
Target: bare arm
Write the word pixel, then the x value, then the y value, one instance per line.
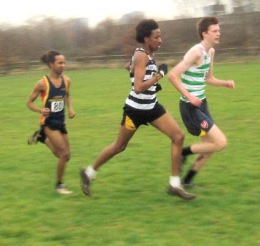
pixel 69 104
pixel 211 80
pixel 37 90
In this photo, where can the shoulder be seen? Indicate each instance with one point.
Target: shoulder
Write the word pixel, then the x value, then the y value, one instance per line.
pixel 140 57
pixel 212 52
pixel 41 85
pixel 66 79
pixel 195 51
pixel 139 53
pixel 67 82
pixel 193 55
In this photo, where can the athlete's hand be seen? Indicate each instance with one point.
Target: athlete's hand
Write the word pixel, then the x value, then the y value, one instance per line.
pixel 195 101
pixel 230 84
pixel 158 87
pixel 71 114
pixel 45 112
pixel 163 69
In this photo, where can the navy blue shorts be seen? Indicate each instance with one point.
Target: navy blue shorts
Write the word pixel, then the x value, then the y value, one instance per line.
pixel 197 120
pixel 42 137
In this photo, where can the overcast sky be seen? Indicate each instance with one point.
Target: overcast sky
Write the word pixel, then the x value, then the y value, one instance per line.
pixel 20 11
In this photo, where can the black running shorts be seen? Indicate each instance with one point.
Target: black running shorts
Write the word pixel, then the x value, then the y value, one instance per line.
pixel 133 118
pixel 61 128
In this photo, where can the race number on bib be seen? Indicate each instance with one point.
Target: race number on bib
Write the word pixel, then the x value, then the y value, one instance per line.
pixel 57 106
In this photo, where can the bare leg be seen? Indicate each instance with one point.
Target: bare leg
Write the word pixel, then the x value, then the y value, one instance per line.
pixel 165 124
pixel 169 127
pixel 213 141
pixel 88 174
pixel 201 161
pixel 51 147
pixel 116 147
pixel 60 144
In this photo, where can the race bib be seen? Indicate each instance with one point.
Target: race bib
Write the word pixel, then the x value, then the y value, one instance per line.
pixel 57 106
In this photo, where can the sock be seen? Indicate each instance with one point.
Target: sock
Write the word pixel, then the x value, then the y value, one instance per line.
pixel 186 151
pixel 190 175
pixel 58 183
pixel 91 172
pixel 175 181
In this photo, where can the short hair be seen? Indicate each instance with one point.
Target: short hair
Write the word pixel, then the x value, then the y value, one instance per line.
pixel 144 29
pixel 203 25
pixel 50 56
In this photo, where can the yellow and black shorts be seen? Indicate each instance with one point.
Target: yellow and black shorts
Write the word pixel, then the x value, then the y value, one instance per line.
pixel 133 118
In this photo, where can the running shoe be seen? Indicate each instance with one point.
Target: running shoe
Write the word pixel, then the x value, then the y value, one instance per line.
pixel 85 182
pixel 180 192
pixel 34 138
pixel 60 188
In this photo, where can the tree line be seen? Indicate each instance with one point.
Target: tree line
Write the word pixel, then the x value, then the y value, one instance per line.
pixel 75 38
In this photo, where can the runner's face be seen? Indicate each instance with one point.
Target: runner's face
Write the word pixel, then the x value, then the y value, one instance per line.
pixel 213 34
pixel 155 39
pixel 59 64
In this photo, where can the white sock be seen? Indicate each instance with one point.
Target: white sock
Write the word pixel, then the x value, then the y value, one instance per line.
pixel 175 181
pixel 91 172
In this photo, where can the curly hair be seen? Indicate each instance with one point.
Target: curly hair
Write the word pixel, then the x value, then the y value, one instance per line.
pixel 144 29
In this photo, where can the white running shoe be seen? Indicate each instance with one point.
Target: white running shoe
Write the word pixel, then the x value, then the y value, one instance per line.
pixel 62 190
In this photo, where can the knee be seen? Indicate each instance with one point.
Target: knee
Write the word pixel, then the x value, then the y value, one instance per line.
pixel 65 155
pixel 120 148
pixel 178 138
pixel 221 144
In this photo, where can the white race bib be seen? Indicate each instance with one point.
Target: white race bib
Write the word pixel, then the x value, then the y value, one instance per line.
pixel 57 106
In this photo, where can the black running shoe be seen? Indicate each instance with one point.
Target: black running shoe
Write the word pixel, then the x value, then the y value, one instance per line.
pixel 34 138
pixel 187 185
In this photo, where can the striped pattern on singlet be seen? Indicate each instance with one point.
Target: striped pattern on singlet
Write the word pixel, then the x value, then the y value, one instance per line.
pixel 193 79
pixel 147 99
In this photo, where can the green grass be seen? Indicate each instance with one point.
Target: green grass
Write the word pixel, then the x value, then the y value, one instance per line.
pixel 129 205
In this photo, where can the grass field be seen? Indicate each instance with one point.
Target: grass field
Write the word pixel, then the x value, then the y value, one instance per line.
pixel 129 205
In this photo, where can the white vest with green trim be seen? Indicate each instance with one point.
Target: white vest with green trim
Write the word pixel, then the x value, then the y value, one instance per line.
pixel 193 79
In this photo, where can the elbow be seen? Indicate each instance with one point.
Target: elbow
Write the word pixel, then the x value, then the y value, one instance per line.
pixel 29 104
pixel 137 90
pixel 172 78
